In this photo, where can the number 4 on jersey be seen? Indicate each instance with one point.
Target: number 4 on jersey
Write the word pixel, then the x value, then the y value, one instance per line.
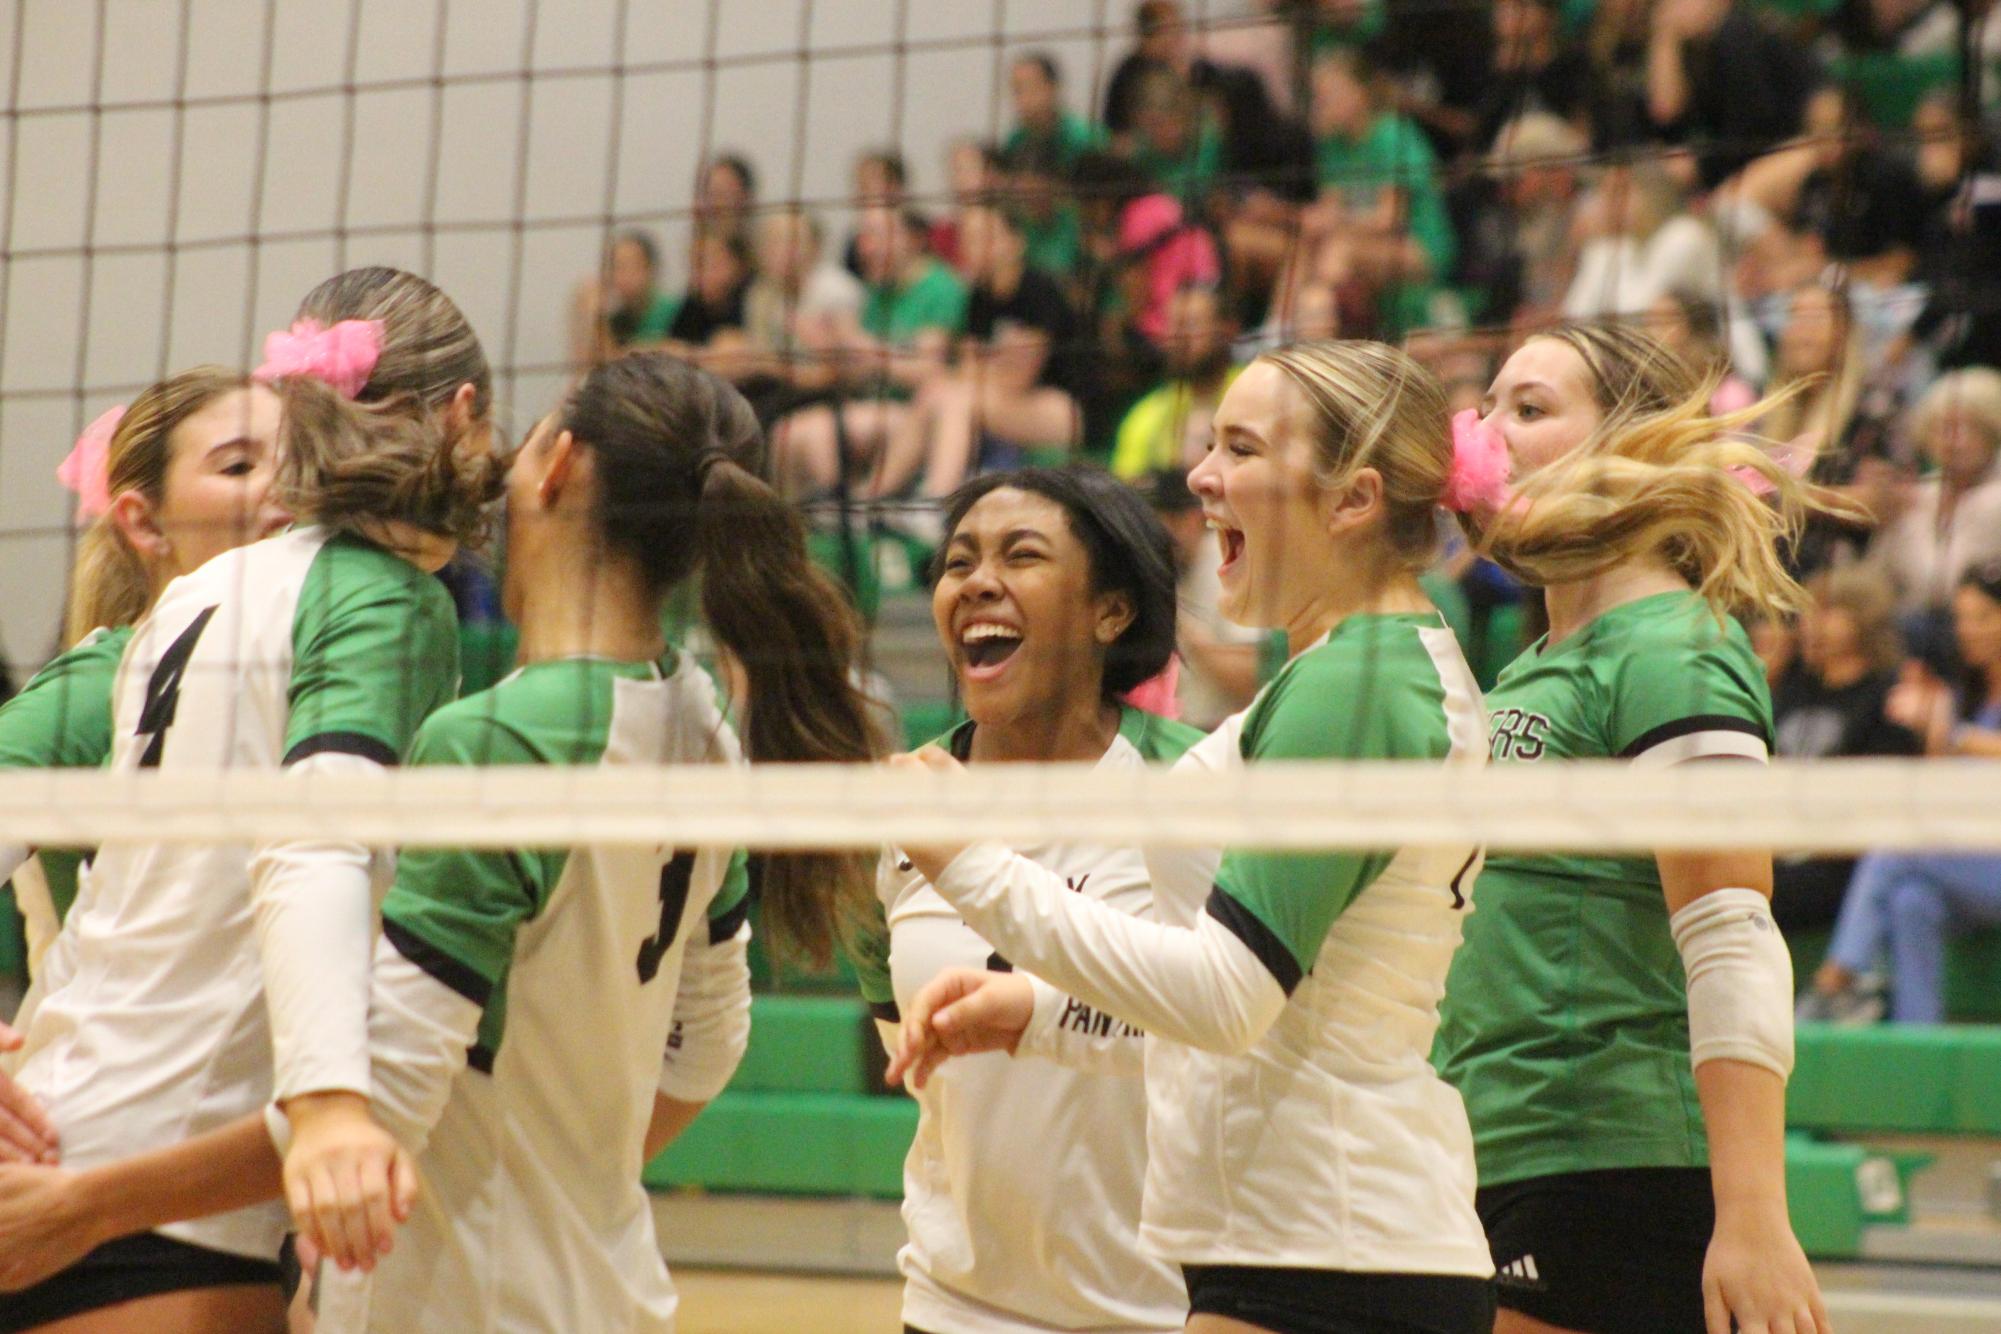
pixel 675 878
pixel 163 691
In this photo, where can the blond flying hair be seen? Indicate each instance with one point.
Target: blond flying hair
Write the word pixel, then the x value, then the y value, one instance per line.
pixel 1659 478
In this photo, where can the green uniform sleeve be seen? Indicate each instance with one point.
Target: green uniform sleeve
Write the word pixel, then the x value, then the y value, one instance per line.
pixel 1689 692
pixel 730 908
pixel 870 956
pixel 62 718
pixel 374 651
pixel 1357 700
pixel 936 301
pixel 454 912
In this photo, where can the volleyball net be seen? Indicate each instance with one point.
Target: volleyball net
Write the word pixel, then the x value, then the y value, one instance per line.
pixel 177 176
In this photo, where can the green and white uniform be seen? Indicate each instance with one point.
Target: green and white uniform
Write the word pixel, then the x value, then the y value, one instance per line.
pixel 200 979
pixel 1021 1192
pixel 1289 998
pixel 527 1005
pixel 60 720
pixel 1566 1016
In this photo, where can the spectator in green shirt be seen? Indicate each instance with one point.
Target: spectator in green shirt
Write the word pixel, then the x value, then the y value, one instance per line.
pixel 1176 142
pixel 623 306
pixel 913 308
pixel 1041 119
pixel 1380 218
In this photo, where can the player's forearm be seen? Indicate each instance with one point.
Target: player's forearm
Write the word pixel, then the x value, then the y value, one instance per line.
pixel 1200 987
pixel 1744 1111
pixel 671 1116
pixel 229 1168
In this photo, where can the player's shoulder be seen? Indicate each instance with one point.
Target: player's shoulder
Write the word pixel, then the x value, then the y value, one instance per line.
pixel 1158 740
pixel 95 655
pixel 496 725
pixel 346 566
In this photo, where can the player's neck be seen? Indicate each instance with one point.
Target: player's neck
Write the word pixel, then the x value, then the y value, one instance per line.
pixel 603 612
pixel 1079 734
pixel 1573 606
pixel 1387 589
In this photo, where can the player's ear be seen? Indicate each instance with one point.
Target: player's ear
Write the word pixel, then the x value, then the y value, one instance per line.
pixel 559 469
pixel 1115 616
pixel 1355 502
pixel 139 524
pixel 458 411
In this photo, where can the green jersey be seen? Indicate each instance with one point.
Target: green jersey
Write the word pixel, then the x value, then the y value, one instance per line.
pixel 935 299
pixel 60 720
pixel 1072 137
pixel 527 1005
pixel 1565 1023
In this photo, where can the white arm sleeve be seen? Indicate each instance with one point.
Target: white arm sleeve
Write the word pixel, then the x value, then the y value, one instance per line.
pixel 1065 1030
pixel 1201 986
pixel 1740 980
pixel 315 920
pixel 711 1018
pixel 418 1032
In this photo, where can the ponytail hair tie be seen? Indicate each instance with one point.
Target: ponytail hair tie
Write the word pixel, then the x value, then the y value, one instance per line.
pixel 1478 481
pixel 341 357
pixel 706 463
pixel 87 468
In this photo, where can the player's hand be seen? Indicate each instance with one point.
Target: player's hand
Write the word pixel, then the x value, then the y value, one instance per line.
pixel 958 1013
pixel 44 1224
pixel 347 1180
pixel 929 861
pixel 26 1133
pixel 1757 1275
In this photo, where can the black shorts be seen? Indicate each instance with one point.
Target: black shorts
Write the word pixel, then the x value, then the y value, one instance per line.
pixel 1330 1301
pixel 144 1264
pixel 1613 1252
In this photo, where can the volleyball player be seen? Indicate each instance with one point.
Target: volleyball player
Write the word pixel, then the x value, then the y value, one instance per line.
pixel 1629 1123
pixel 182 476
pixel 1054 594
pixel 532 1142
pixel 1307 1168
pixel 199 981
pixel 179 476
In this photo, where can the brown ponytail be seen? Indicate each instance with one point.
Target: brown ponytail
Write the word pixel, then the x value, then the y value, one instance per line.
pixel 109 584
pixel 677 451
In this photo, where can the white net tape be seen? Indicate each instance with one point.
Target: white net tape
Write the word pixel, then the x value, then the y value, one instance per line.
pixel 1823 807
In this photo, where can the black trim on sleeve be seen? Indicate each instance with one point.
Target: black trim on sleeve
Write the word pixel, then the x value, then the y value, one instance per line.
pixel 1701 722
pixel 442 967
pixel 343 743
pixel 724 927
pixel 887 1011
pixel 480 1057
pixel 1242 923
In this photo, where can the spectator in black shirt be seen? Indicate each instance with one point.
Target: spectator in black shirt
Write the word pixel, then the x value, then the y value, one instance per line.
pixel 1829 703
pixel 1724 83
pixel 719 277
pixel 1865 204
pixel 1532 72
pixel 1015 386
pixel 1163 44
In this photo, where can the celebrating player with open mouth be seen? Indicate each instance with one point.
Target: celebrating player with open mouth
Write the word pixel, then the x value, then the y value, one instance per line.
pixel 1307 1168
pixel 1054 596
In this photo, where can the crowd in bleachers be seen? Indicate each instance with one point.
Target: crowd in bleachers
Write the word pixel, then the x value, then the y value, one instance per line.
pixel 1795 194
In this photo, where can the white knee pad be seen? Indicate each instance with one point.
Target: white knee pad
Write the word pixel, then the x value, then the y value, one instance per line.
pixel 1740 980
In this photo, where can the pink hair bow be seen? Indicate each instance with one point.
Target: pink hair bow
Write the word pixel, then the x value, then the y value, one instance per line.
pixel 1159 693
pixel 342 357
pixel 1479 477
pixel 87 469
pixel 1794 456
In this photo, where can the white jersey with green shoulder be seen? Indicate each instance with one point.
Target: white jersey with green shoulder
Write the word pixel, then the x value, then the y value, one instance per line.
pixel 291 654
pixel 1331 1143
pixel 1021 1191
pixel 527 1006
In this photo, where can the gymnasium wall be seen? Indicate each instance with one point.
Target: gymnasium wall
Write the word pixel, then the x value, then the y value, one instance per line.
pixel 148 143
